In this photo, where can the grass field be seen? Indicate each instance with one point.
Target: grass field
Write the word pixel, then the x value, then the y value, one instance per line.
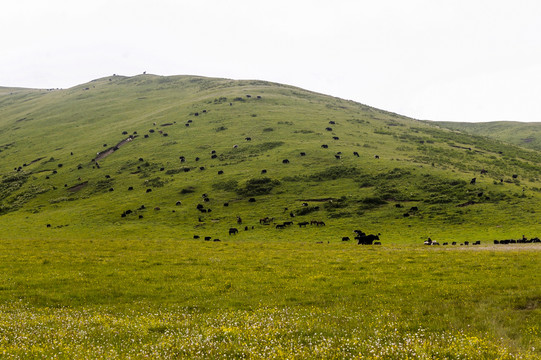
pixel 267 298
pixel 99 258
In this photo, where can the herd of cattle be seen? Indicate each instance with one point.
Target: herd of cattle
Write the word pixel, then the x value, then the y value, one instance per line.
pixel 524 240
pixel 361 237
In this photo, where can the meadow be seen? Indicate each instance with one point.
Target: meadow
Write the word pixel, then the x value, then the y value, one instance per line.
pixel 267 298
pixel 104 257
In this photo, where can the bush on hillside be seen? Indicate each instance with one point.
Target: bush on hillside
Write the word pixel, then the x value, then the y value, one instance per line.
pixel 257 186
pixel 229 185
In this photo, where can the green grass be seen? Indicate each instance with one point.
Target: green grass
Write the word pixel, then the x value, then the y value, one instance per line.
pixel 522 134
pixel 265 297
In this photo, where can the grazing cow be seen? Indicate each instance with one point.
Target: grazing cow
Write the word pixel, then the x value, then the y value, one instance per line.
pixel 496 242
pixel 466 243
pixel 377 242
pixel 445 243
pixel 226 204
pixel 248 138
pixel 178 203
pixel 48 225
pixel 263 171
pixel 398 205
pixel 213 156
pixel 359 232
pixel 428 242
pixel 140 216
pixel 328 129
pixel 332 122
pixel 196 236
pixel 320 223
pixel 478 242
pixel 220 172
pixel 285 161
pixel 355 153
pixel 146 136
pixel 201 168
pixel 345 238
pixel 338 157
pixel 216 240
pixel 376 156
pixel 336 138
pixel 303 154
pixel 483 171
pixel 149 190
pixel 280 226
pixel 325 146
pixel 287 223
pixel 239 220
pixel 414 208
pixel 141 159
pixel 251 199
pixel 303 223
pixel 207 238
pixel 233 231
pixel 235 146
pixel 366 239
pixel 453 243
pixel 157 208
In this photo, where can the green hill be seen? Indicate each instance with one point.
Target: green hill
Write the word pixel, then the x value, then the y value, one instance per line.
pixel 133 157
pixel 527 135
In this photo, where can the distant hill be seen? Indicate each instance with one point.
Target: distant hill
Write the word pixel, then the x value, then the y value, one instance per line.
pixel 156 157
pixel 523 134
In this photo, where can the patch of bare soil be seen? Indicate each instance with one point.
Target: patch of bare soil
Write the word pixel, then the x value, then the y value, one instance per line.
pixel 77 187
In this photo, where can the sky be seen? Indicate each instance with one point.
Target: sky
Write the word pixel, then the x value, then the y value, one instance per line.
pixel 443 60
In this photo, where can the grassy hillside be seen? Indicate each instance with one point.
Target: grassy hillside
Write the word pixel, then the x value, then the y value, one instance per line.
pixel 527 135
pixel 54 184
pixel 100 186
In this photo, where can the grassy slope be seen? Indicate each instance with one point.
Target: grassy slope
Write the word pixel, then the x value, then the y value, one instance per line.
pixel 527 135
pixel 419 165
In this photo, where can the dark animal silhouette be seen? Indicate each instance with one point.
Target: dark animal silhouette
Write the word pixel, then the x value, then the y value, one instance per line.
pixel 366 239
pixel 233 231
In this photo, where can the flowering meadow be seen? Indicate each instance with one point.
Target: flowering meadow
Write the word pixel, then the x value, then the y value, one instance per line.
pixel 263 333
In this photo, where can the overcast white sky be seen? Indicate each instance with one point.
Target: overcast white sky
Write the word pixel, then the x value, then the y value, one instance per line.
pixel 452 60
